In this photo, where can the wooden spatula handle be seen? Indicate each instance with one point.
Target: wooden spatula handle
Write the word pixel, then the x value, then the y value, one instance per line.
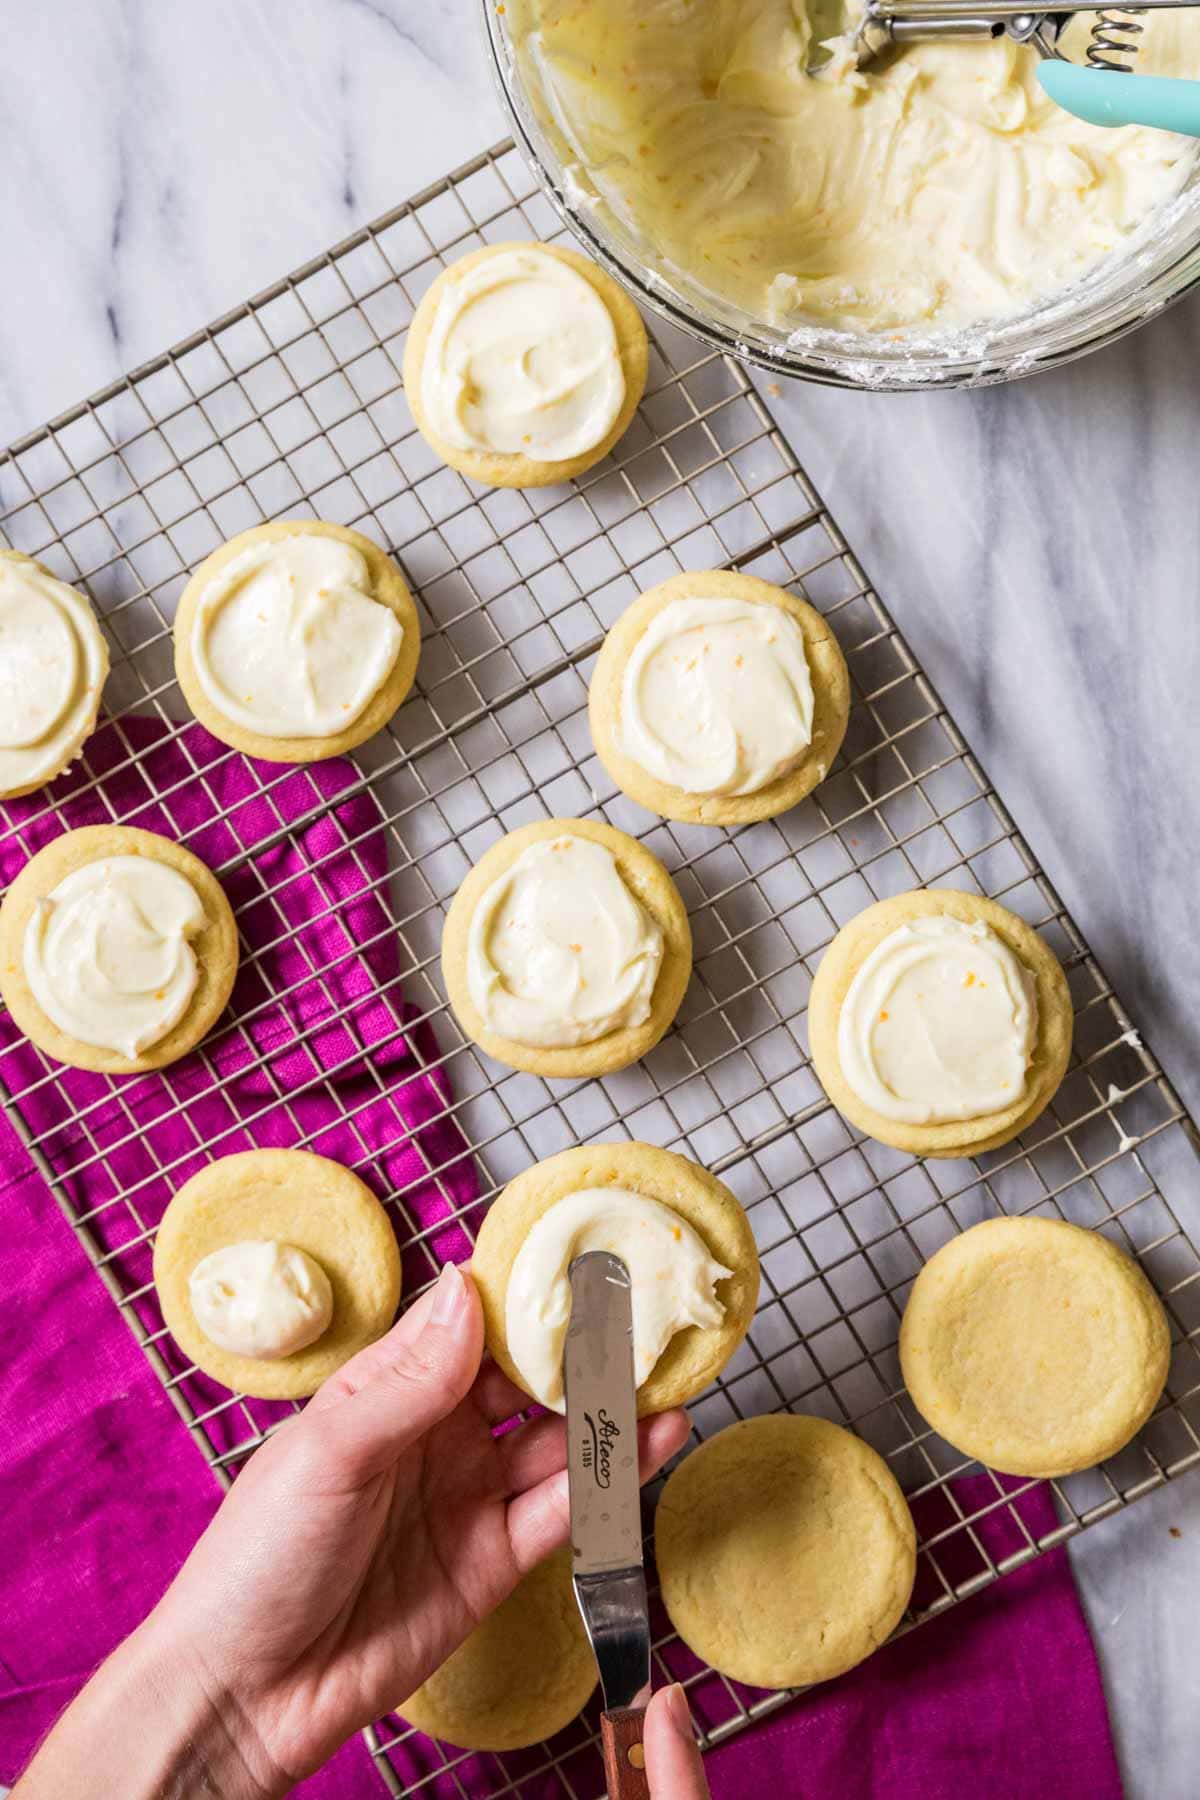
pixel 624 1758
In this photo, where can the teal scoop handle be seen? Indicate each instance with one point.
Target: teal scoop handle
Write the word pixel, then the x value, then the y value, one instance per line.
pixel 1107 97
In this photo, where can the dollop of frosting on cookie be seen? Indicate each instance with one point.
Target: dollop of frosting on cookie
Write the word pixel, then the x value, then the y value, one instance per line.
pixel 673 1280
pixel 522 359
pixel 288 640
pixel 261 1298
pixel 939 1023
pixel 560 951
pixel 717 697
pixel 107 955
pixel 53 664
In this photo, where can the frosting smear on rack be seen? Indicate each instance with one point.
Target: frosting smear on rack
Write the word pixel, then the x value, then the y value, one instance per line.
pixel 940 189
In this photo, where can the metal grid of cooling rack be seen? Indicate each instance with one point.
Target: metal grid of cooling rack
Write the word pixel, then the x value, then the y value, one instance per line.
pixel 339 1037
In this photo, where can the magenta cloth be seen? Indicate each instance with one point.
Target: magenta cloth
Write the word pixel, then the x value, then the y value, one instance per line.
pixel 102 1491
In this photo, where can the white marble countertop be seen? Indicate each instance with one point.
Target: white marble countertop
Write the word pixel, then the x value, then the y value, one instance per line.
pixel 1039 544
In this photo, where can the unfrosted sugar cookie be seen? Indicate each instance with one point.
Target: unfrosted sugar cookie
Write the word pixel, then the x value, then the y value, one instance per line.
pixel 296 641
pixel 53 666
pixel 524 364
pixel 686 1241
pixel 1034 1345
pixel 940 1023
pixel 718 699
pixel 273 1268
pixel 118 949
pixel 567 949
pixel 786 1551
pixel 523 1674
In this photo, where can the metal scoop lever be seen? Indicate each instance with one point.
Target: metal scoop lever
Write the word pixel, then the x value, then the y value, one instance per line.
pixel 606 1516
pixel 885 27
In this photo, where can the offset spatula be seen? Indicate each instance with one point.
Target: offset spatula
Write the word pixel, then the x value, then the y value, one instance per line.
pixel 606 1523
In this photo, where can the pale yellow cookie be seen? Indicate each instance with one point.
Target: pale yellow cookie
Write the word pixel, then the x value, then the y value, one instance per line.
pixel 215 947
pixel 1034 1346
pixel 694 1356
pixel 831 702
pixel 1051 1053
pixel 295 1198
pixel 786 1551
pixel 50 642
pixel 522 1675
pixel 388 587
pixel 501 468
pixel 650 884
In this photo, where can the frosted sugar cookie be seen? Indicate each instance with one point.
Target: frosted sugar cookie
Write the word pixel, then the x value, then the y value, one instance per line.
pixel 296 640
pixel 523 1674
pixel 524 364
pixel 785 1550
pixel 53 666
pixel 940 1023
pixel 273 1268
pixel 1036 1346
pixel 567 949
pixel 118 949
pixel 718 699
pixel 687 1243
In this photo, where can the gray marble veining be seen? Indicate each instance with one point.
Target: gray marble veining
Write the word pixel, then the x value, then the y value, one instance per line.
pixel 1039 544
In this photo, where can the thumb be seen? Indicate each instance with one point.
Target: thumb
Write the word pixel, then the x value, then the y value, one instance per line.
pixel 674 1770
pixel 418 1374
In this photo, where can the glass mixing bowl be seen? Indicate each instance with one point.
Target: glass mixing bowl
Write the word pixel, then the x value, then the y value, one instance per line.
pixel 1155 269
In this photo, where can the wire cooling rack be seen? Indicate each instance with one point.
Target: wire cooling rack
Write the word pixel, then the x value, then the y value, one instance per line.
pixel 339 1037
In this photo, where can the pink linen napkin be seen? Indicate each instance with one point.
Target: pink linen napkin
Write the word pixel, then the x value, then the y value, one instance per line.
pixel 102 1490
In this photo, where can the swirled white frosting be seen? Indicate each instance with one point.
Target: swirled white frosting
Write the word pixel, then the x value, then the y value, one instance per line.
pixel 522 359
pixel 261 1298
pixel 716 697
pixel 288 640
pixel 560 951
pixel 939 1023
pixel 107 955
pixel 53 664
pixel 937 189
pixel 673 1280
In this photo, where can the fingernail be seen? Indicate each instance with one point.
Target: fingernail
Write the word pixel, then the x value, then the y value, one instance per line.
pixel 679 1713
pixel 448 1295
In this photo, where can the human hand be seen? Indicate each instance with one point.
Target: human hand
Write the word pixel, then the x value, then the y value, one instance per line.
pixel 366 1539
pixel 674 1770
